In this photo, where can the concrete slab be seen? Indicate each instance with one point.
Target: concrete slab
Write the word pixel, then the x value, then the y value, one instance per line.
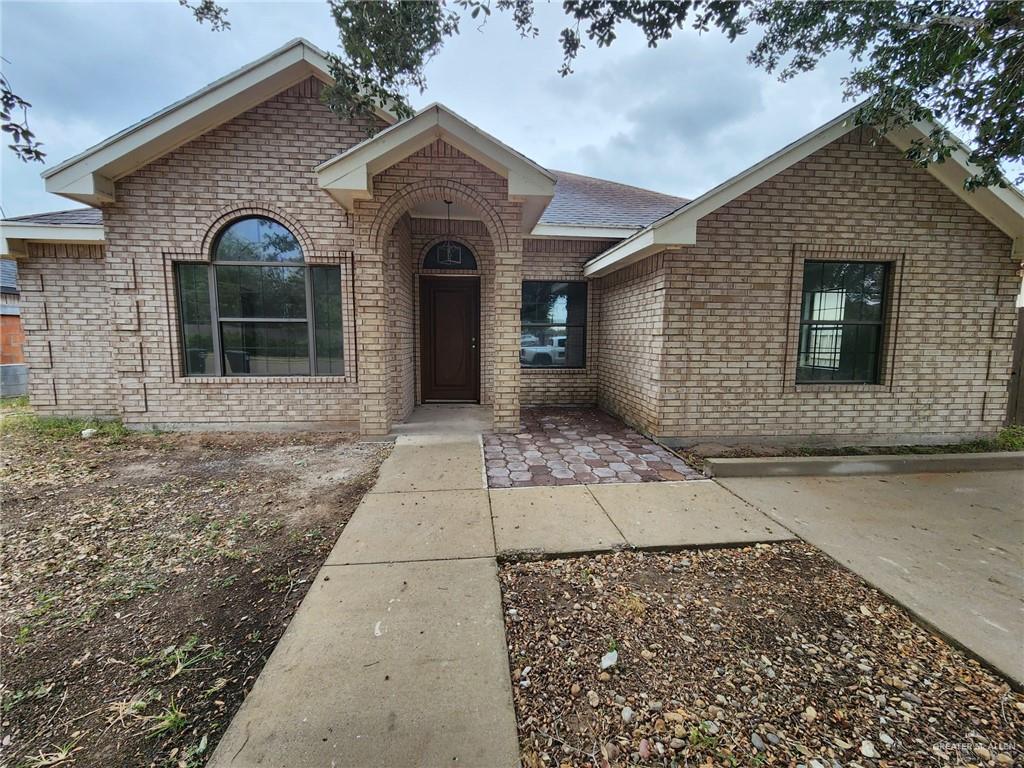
pixel 429 422
pixel 691 513
pixel 865 465
pixel 385 665
pixel 949 547
pixel 453 463
pixel 435 525
pixel 561 519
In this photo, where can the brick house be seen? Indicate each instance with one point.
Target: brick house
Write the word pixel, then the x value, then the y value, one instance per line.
pixel 251 260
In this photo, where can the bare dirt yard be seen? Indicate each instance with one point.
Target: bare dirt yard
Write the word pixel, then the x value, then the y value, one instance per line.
pixel 766 655
pixel 147 577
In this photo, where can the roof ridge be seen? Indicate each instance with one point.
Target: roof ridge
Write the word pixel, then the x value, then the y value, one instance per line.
pixel 620 184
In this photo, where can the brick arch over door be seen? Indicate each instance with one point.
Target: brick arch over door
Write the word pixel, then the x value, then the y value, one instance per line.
pixel 377 220
pixel 430 190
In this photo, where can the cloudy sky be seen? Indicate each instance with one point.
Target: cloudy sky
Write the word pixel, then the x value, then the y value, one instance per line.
pixel 678 119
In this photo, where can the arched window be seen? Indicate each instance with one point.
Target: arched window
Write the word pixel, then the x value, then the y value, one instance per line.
pixel 449 254
pixel 258 309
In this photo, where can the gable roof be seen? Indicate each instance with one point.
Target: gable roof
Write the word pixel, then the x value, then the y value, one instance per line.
pixel 89 176
pixel 585 206
pixel 74 216
pixel 1002 207
pixel 80 225
pixel 349 176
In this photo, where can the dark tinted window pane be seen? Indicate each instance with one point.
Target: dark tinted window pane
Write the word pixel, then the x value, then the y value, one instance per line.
pixel 449 255
pixel 261 291
pixel 841 321
pixel 873 291
pixel 265 349
pixel 554 303
pixel 256 239
pixel 554 333
pixel 327 320
pixel 553 346
pixel 196 326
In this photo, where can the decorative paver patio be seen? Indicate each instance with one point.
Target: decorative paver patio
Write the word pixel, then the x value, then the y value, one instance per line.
pixel 577 446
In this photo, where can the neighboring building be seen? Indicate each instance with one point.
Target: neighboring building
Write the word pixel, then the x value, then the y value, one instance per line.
pixel 13 371
pixel 261 262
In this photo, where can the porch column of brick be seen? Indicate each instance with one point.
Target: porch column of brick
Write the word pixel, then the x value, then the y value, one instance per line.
pixel 508 296
pixel 371 305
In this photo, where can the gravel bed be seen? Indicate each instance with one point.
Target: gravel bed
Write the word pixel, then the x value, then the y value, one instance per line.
pixel 766 655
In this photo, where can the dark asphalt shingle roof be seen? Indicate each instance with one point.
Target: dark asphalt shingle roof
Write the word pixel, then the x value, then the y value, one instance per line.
pixel 586 201
pixel 76 216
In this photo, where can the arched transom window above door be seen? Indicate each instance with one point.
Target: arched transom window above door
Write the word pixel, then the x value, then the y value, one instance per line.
pixel 257 309
pixel 449 254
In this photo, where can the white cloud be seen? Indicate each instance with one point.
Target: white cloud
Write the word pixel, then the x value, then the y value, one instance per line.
pixel 679 118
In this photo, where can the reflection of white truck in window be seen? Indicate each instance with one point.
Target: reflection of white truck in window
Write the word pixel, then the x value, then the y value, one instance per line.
pixel 543 354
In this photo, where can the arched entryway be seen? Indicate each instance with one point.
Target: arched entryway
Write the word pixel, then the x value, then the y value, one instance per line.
pixel 444 314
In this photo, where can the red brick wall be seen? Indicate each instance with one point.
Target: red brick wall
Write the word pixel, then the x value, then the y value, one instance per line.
pixel 11 340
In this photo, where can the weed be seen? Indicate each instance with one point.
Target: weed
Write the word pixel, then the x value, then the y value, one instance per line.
pixel 229 580
pixel 631 605
pixel 60 754
pixel 701 739
pixel 17 403
pixel 56 428
pixel 192 756
pixel 1011 438
pixel 11 699
pixel 171 720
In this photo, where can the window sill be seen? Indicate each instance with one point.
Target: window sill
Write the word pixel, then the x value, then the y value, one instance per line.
pixel 561 371
pixel 826 386
pixel 214 380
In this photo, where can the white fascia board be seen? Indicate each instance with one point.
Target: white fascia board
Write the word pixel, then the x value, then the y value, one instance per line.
pixel 14 235
pixel 680 226
pixel 1003 207
pixel 89 176
pixel 349 176
pixel 582 232
pixel 641 245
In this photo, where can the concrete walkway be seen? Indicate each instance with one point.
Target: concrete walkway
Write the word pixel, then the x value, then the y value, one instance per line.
pixel 396 656
pixel 949 547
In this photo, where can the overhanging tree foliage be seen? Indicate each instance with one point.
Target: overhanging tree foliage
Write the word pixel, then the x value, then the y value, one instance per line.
pixel 956 62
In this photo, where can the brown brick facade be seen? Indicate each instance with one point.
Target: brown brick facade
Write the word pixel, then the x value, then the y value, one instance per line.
pixel 732 307
pixel 65 314
pixel 694 344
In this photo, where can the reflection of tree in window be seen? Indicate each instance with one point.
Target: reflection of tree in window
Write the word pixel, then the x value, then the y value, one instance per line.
pixel 273 315
pixel 553 329
pixel 841 321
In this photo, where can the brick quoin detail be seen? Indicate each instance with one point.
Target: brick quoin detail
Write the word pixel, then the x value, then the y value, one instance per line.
pixel 693 344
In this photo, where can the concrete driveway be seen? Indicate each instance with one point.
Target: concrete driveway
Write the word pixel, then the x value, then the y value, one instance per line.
pixel 949 547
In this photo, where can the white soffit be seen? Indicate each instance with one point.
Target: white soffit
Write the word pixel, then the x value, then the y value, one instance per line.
pixel 1004 208
pixel 349 176
pixel 15 235
pixel 89 177
pixel 582 232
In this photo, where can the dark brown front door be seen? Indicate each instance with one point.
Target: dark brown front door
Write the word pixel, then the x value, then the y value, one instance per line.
pixel 449 333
